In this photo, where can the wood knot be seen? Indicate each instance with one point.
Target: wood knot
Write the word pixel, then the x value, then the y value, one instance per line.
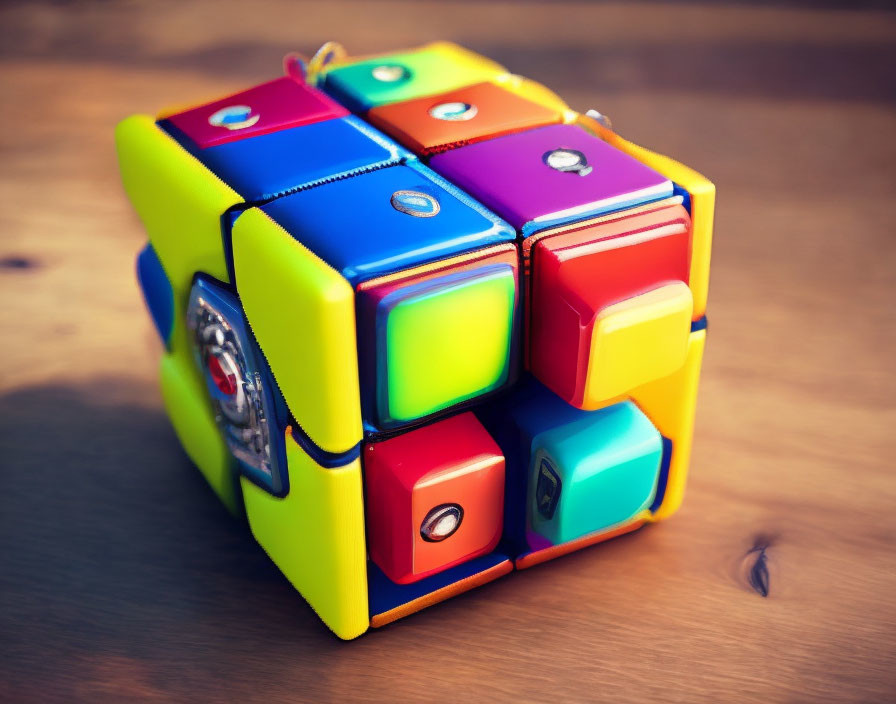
pixel 14 262
pixel 755 565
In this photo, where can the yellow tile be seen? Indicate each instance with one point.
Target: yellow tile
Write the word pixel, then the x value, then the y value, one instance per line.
pixel 190 412
pixel 302 312
pixel 670 404
pixel 636 341
pixel 180 203
pixel 315 535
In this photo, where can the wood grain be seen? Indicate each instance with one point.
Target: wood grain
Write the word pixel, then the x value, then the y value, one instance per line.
pixel 122 579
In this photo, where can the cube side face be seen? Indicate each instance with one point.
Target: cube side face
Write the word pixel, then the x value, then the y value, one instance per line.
pixel 468 368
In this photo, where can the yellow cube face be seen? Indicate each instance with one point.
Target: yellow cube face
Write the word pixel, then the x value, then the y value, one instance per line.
pixel 637 341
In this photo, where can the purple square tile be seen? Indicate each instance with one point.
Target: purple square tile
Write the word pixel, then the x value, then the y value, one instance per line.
pixel 549 176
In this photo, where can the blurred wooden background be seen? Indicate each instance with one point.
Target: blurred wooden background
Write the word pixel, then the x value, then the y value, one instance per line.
pixel 122 579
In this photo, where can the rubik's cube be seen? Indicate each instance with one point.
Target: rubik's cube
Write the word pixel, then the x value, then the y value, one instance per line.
pixel 423 323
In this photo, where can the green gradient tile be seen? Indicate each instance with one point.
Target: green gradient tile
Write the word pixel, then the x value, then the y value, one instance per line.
pixel 444 341
pixel 436 68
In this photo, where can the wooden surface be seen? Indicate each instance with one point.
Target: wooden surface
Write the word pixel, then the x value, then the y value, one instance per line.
pixel 122 579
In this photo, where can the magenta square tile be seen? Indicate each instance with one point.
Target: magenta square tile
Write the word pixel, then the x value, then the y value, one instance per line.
pixel 549 176
pixel 269 107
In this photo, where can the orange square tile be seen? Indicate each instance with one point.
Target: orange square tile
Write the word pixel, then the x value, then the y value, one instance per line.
pixel 463 116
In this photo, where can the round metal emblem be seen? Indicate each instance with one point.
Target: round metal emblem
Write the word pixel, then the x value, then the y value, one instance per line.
pixel 568 161
pixel 416 203
pixel 234 117
pixel 453 111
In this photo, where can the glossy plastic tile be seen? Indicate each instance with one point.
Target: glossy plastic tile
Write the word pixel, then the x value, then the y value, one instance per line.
pixel 464 343
pixel 157 292
pixel 463 116
pixel 435 68
pixel 435 498
pixel 387 220
pixel 550 175
pixel 272 106
pixel 298 157
pixel 577 273
pixel 587 471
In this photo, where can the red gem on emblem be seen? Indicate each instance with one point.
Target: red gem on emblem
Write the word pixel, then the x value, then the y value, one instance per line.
pixel 225 382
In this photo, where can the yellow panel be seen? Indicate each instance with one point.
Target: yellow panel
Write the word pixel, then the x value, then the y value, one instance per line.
pixel 638 340
pixel 670 404
pixel 191 415
pixel 315 535
pixel 180 203
pixel 302 312
pixel 703 199
pixel 461 54
pixel 537 93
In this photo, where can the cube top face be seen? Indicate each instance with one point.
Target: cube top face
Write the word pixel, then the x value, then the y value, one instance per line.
pixel 387 220
pixel 437 123
pixel 434 498
pixel 579 346
pixel 592 474
pixel 266 108
pixel 550 175
pixel 432 69
pixel 269 165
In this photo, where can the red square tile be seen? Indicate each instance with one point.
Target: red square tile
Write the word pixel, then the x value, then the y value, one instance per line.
pixel 578 272
pixel 272 106
pixel 435 498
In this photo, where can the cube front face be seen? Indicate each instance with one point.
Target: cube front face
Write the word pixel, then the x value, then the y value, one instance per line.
pixel 506 337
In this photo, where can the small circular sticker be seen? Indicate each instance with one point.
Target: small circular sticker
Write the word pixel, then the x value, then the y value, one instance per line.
pixel 389 73
pixel 454 111
pixel 568 161
pixel 416 203
pixel 234 117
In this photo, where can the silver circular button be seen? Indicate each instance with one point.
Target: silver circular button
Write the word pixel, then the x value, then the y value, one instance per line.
pixel 441 522
pixel 567 161
pixel 454 111
pixel 234 117
pixel 389 73
pixel 415 203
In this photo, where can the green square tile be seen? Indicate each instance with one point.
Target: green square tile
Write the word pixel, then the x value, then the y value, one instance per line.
pixel 445 341
pixel 434 69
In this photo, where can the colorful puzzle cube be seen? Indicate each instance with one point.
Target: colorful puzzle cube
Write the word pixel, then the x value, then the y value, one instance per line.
pixel 423 323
